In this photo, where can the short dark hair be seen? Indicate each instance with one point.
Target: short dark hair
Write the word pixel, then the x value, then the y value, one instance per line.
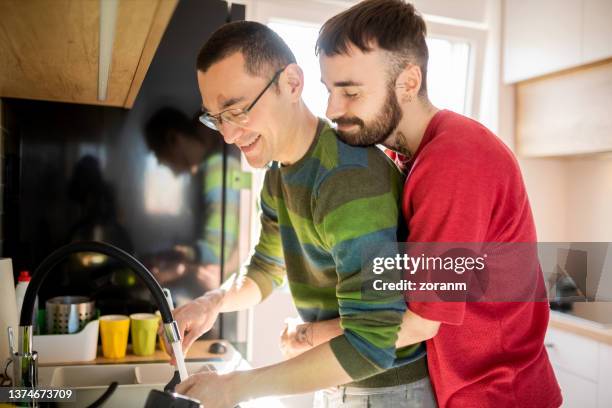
pixel 162 124
pixel 263 50
pixel 393 25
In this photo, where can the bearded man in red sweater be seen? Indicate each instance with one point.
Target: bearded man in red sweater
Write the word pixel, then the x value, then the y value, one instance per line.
pixel 463 185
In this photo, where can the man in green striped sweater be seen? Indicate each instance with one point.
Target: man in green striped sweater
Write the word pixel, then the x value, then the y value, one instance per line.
pixel 323 203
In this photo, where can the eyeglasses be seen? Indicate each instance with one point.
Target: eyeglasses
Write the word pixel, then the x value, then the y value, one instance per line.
pixel 236 116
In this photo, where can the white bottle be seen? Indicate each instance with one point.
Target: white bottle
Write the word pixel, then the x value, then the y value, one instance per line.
pixel 22 285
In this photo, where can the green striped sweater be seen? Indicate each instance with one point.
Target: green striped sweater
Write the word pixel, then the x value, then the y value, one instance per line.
pixel 317 215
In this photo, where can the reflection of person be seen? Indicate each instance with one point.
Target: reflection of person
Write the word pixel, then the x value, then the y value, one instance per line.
pixel 97 210
pixel 186 146
pixel 323 203
pixel 464 185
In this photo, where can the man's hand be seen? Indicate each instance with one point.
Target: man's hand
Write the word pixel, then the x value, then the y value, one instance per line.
pixel 296 338
pixel 211 389
pixel 196 318
pixel 209 276
pixel 187 252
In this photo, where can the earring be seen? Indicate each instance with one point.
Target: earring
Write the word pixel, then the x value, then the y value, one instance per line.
pixel 409 98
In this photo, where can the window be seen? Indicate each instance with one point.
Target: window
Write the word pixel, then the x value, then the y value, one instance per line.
pixel 447 74
pixel 301 38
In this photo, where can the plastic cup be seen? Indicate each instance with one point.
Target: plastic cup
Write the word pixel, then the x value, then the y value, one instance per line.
pixel 114 330
pixel 144 333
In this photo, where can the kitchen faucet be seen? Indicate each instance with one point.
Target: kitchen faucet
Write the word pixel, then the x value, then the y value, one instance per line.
pixel 25 360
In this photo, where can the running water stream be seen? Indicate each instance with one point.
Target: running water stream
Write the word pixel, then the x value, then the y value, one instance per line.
pixel 180 360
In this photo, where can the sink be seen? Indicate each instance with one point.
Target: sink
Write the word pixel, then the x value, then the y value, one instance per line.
pixel 135 380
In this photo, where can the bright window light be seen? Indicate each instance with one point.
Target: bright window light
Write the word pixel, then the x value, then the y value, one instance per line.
pixel 301 38
pixel 163 191
pixel 447 73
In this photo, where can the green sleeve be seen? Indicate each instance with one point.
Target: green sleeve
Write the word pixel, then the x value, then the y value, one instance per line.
pixel 267 264
pixel 358 207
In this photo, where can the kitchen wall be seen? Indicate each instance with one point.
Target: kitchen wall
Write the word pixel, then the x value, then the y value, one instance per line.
pixel 589 198
pixel 571 198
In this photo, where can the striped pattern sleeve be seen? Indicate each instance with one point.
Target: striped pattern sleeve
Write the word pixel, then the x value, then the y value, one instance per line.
pixel 363 212
pixel 267 265
pixel 209 243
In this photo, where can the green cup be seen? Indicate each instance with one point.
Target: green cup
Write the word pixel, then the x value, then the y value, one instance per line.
pixel 144 333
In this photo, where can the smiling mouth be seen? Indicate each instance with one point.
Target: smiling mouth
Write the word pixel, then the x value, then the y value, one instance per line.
pixel 249 146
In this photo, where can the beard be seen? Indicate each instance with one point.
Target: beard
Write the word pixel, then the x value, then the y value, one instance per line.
pixel 375 131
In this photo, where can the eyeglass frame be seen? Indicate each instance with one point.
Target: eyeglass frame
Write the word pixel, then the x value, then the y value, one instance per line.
pixel 214 121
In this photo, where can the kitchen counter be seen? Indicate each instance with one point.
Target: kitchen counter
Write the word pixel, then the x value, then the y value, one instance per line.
pixel 197 352
pixel 578 323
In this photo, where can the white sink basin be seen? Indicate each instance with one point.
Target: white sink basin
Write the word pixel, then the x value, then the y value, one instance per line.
pixel 135 380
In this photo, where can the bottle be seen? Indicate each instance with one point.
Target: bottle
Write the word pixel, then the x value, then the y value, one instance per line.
pixel 22 285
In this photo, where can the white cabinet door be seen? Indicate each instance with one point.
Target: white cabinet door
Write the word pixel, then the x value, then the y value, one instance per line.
pixel 541 37
pixel 597 39
pixel 605 376
pixel 577 392
pixel 574 354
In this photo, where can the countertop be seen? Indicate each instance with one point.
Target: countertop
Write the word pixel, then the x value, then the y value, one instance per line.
pixel 197 352
pixel 578 321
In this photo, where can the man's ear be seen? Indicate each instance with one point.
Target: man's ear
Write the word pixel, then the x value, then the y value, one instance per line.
pixel 408 83
pixel 291 81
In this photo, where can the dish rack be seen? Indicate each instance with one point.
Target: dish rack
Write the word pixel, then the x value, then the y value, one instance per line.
pixel 68 348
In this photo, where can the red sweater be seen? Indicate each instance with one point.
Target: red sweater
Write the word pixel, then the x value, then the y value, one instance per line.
pixel 464 185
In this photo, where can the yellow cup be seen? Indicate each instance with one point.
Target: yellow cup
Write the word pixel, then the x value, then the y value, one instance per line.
pixel 114 330
pixel 144 333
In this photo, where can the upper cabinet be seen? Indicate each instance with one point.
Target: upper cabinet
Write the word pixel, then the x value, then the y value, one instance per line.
pixel 89 52
pixel 566 113
pixel 545 36
pixel 597 38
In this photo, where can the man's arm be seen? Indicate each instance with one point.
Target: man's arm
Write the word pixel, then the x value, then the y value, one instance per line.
pixel 305 336
pixel 314 370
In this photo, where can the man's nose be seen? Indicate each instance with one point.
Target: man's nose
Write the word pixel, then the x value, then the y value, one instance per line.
pixel 230 132
pixel 335 107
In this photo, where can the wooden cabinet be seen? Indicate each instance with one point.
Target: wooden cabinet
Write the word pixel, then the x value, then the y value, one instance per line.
pixel 566 113
pixel 50 49
pixel 545 36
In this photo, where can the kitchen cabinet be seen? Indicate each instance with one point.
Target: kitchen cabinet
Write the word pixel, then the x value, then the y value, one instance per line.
pixel 574 354
pixel 540 37
pixel 581 355
pixel 51 50
pixel 597 39
pixel 546 36
pixel 605 374
pixel 577 392
pixel 566 113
